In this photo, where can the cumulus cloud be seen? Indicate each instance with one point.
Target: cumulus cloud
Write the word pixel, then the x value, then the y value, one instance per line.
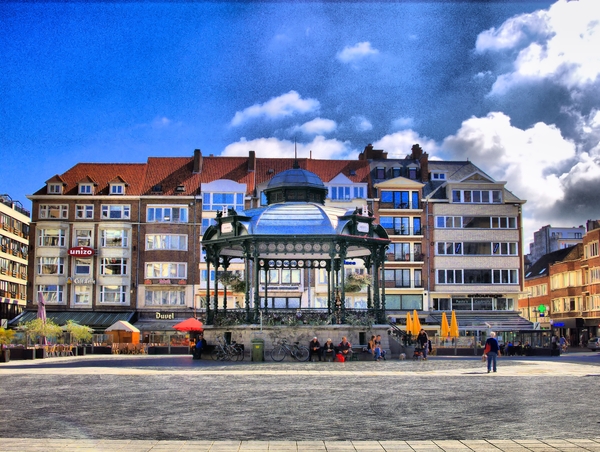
pixel 320 147
pixel 529 160
pixel 357 52
pixel 398 144
pixel 559 44
pixel 361 124
pixel 278 107
pixel 317 126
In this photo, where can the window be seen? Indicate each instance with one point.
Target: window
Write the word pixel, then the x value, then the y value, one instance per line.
pixel 380 173
pixel 477 196
pixel 397 278
pixel 447 248
pixel 359 192
pixel 505 277
pixel 55 211
pixel 339 193
pixel 167 214
pixel 592 249
pixel 290 276
pixel 113 266
pixel 412 173
pixel 83 237
pixel 114 238
pixel 51 266
pixel 166 297
pixel 399 252
pixel 116 211
pixel 85 189
pixel 438 176
pixel 206 223
pixel 52 237
pixel 117 189
pixel 82 295
pixel 449 276
pixel 400 199
pixel 166 270
pixel 55 189
pixel 448 222
pixel 166 242
pixel 83 266
pixel 84 212
pixel 203 275
pixel 218 201
pixel 52 294
pixel 273 277
pixel 113 294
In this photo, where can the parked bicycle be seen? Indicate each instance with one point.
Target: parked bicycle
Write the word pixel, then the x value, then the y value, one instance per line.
pixel 227 352
pixel 299 352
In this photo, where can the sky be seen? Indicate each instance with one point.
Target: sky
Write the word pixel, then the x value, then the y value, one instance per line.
pixel 513 86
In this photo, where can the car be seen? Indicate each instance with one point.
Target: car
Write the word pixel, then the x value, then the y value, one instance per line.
pixel 594 343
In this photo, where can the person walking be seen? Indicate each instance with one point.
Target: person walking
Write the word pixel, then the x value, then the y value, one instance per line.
pixel 423 341
pixel 492 350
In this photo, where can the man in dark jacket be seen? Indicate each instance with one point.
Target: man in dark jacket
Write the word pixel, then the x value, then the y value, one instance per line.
pixel 314 349
pixel 423 341
pixel 345 348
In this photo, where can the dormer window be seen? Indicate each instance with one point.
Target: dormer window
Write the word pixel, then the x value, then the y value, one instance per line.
pixel 117 189
pixel 86 189
pixel 438 176
pixel 55 189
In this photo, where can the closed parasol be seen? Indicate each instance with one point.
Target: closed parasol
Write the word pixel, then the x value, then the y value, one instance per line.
pixel 444 327
pixel 416 323
pixel 408 323
pixel 453 325
pixel 191 324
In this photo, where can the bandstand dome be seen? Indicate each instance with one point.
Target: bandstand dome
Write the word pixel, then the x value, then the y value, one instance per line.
pixel 296 177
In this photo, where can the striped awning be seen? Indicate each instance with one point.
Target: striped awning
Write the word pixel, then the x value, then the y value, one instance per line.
pixel 4 300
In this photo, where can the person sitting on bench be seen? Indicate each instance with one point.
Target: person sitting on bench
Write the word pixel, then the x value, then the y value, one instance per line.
pixel 328 350
pixel 314 349
pixel 345 348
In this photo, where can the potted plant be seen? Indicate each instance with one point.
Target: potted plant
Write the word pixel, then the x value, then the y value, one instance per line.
pixel 5 339
pixel 355 282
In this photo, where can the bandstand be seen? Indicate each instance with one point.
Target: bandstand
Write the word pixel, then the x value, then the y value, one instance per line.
pixel 296 230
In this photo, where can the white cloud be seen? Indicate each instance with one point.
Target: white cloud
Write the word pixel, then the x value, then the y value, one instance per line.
pixel 317 126
pixel 559 44
pixel 399 144
pixel 526 159
pixel 356 52
pixel 402 123
pixel 361 124
pixel 320 147
pixel 278 107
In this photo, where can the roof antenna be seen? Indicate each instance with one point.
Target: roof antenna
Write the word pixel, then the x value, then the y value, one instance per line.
pixel 296 165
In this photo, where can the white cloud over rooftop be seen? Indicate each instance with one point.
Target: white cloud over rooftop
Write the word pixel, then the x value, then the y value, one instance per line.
pixel 282 106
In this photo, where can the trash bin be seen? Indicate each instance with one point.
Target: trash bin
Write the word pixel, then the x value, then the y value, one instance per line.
pixel 4 355
pixel 258 349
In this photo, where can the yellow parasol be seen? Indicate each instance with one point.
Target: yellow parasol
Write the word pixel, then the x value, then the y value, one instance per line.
pixel 416 324
pixel 408 323
pixel 444 327
pixel 453 325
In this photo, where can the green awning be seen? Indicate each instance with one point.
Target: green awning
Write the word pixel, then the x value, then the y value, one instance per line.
pixel 94 319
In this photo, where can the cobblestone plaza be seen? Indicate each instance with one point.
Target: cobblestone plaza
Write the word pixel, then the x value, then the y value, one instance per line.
pixel 163 403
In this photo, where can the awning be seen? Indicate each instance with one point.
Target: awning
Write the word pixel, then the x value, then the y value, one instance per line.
pixel 157 326
pixel 483 320
pixel 4 300
pixel 94 319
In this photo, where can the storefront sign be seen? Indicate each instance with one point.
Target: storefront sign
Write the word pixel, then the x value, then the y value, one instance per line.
pixel 226 228
pixel 82 280
pixel 165 316
pixel 181 282
pixel 81 251
pixel 362 227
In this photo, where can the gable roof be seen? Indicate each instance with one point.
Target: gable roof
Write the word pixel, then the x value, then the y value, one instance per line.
pixel 541 267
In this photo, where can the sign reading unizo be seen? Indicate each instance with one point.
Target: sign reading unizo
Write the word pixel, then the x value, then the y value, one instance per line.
pixel 81 251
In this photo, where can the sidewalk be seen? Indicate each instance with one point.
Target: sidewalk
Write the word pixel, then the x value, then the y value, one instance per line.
pixel 60 445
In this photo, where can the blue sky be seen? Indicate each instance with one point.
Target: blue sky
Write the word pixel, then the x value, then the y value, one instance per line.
pixel 512 86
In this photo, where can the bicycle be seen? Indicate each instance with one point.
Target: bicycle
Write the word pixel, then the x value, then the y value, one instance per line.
pixel 298 352
pixel 227 352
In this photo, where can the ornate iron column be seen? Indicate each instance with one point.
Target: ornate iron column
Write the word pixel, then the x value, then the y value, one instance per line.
pixel 209 317
pixel 369 267
pixel 247 280
pixel 255 275
pixel 216 286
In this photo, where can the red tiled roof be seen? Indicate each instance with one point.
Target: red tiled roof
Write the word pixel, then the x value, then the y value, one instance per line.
pixel 167 173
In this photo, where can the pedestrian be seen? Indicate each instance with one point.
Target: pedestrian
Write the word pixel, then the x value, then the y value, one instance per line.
pixel 492 350
pixel 314 348
pixel 345 348
pixel 371 345
pixel 422 340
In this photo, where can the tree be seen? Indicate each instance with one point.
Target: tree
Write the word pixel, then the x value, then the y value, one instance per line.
pixel 6 337
pixel 37 327
pixel 79 333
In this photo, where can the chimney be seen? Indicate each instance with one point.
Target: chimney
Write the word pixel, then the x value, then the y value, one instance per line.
pixel 251 161
pixel 197 161
pixel 424 164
